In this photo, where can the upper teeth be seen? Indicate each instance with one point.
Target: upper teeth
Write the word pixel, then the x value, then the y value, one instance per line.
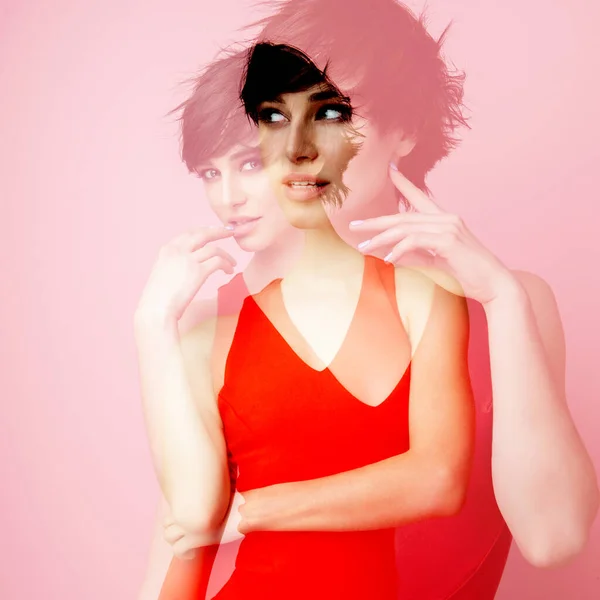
pixel 304 183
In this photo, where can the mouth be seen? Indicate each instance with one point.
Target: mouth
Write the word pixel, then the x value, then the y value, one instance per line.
pixel 243 225
pixel 242 221
pixel 301 186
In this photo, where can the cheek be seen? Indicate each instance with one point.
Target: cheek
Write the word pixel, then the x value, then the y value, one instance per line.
pixel 367 174
pixel 214 196
pixel 272 143
pixel 259 189
pixel 338 146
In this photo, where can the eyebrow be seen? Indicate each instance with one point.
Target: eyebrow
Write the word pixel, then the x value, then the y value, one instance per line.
pixel 330 94
pixel 245 151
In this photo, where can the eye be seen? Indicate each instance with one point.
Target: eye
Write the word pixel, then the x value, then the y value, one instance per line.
pixel 271 116
pixel 334 112
pixel 251 165
pixel 208 174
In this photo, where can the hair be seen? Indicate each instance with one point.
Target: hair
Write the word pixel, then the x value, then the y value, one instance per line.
pixel 276 69
pixel 394 64
pixel 212 119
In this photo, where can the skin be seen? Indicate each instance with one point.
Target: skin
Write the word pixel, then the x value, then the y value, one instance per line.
pixel 430 478
pixel 525 337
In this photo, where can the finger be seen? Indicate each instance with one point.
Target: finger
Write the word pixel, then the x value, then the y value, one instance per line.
pixel 203 254
pixel 393 235
pixel 414 258
pixel 173 534
pixel 217 263
pixel 417 197
pixel 435 244
pixel 199 238
pixel 387 221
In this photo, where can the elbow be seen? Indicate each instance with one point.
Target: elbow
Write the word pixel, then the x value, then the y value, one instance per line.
pixel 194 520
pixel 450 492
pixel 194 524
pixel 556 547
pixel 547 553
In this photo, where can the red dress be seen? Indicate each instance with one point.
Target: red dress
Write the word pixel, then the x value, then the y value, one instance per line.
pixel 285 421
pixel 459 558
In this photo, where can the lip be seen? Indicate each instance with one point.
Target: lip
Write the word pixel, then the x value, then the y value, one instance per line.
pixel 315 187
pixel 243 225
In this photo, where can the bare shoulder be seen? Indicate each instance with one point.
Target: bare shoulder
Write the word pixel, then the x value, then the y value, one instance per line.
pixel 419 291
pixel 198 312
pixel 538 290
pixel 197 341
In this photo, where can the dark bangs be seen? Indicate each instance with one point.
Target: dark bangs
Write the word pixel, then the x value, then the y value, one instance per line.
pixel 276 69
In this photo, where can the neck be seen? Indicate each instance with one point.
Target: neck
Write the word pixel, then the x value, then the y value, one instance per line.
pixel 385 204
pixel 273 262
pixel 325 254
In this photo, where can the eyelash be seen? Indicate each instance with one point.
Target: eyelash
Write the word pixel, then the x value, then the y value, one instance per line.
pixel 203 174
pixel 345 111
pixel 248 161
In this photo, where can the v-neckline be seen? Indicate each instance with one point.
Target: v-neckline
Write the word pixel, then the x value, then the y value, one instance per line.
pixel 280 306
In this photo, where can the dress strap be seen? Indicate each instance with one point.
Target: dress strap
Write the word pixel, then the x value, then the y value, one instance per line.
pixel 387 276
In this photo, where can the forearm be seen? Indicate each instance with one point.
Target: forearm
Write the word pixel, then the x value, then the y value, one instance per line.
pixel 389 493
pixel 189 465
pixel 159 558
pixel 189 578
pixel 544 480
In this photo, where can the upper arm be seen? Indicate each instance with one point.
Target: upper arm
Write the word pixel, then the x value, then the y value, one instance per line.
pixel 548 321
pixel 198 312
pixel 441 415
pixel 197 348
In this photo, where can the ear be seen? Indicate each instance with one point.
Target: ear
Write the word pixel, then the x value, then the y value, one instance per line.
pixel 403 145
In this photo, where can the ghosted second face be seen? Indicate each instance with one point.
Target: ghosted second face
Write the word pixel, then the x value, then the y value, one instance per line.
pixel 240 194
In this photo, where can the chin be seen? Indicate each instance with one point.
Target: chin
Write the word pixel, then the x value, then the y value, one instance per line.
pixel 252 244
pixel 306 215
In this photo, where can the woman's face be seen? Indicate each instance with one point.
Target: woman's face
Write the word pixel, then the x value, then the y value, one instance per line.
pixel 240 194
pixel 319 155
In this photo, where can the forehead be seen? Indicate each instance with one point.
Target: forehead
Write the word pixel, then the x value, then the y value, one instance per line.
pixel 234 154
pixel 317 93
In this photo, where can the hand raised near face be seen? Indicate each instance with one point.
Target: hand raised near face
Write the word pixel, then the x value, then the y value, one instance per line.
pixel 433 238
pixel 182 267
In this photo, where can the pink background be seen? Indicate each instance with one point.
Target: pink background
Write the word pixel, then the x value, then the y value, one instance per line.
pixel 91 185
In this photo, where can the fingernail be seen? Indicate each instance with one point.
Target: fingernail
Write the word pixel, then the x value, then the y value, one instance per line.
pixel 229 227
pixel 387 258
pixel 393 166
pixel 363 244
pixel 359 222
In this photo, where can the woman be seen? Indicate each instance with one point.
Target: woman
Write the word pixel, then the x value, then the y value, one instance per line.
pixel 576 484
pixel 268 421
pixel 383 57
pixel 227 160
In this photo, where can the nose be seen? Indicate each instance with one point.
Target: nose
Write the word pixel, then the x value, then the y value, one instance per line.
pixel 301 144
pixel 232 194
